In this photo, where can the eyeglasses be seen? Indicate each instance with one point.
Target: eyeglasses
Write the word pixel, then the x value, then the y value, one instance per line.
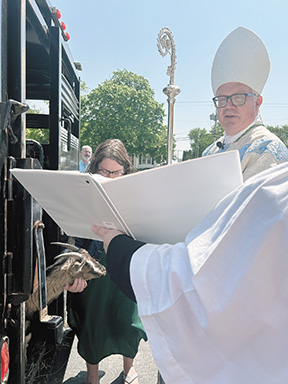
pixel 106 172
pixel 237 99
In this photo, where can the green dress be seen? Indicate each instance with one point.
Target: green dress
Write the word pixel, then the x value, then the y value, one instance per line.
pixel 106 322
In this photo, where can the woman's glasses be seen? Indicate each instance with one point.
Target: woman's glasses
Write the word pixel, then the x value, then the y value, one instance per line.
pixel 106 172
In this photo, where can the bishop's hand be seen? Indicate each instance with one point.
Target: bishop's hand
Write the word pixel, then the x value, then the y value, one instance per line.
pixel 106 234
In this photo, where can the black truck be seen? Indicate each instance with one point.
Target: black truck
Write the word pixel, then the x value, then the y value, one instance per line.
pixel 36 67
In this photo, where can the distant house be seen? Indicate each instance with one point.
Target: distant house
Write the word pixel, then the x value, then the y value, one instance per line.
pixel 141 162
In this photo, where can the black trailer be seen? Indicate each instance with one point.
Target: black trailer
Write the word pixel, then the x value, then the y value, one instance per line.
pixel 36 66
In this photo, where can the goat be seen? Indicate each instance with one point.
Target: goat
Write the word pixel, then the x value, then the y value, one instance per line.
pixel 76 263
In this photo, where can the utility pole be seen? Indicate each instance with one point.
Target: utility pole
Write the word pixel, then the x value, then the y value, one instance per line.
pixel 214 117
pixel 166 44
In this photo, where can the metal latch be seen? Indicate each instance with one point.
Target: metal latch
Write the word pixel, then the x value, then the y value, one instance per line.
pixel 69 120
pixel 54 323
pixel 41 261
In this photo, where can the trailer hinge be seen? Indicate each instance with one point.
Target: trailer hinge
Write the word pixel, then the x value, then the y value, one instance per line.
pixel 13 297
pixel 7 268
pixel 12 109
pixel 11 163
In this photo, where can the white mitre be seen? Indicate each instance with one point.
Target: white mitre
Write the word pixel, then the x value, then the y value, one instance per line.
pixel 243 58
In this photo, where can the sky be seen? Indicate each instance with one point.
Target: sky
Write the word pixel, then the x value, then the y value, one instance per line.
pixel 111 35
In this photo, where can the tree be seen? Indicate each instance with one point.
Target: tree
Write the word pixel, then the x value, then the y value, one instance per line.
pixel 124 108
pixel 187 155
pixel 281 132
pixel 40 135
pixel 201 139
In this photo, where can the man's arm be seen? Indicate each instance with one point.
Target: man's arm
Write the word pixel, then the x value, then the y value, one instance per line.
pixel 119 254
pixel 119 249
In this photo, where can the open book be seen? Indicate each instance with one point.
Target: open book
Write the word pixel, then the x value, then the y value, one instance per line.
pixel 160 205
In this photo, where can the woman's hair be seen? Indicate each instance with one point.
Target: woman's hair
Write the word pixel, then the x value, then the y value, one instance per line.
pixel 112 149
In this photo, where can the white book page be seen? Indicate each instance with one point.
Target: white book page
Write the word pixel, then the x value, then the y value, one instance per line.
pixel 160 205
pixel 71 198
pixel 163 204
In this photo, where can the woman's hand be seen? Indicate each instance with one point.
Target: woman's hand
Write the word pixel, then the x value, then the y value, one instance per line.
pixel 107 234
pixel 78 286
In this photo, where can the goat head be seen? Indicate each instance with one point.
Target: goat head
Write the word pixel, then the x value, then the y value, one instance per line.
pixel 77 263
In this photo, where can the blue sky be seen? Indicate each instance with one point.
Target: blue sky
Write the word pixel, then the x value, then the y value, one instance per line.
pixel 116 34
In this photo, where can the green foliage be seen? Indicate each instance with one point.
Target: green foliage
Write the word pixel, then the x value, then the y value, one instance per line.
pixel 124 108
pixel 200 139
pixel 40 135
pixel 281 132
pixel 187 155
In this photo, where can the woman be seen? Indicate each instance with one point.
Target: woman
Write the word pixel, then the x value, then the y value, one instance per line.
pixel 105 320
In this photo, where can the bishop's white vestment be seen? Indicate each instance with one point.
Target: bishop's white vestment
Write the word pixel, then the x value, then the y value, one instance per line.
pixel 215 308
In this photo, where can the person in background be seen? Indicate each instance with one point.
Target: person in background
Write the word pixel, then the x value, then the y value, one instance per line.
pixel 86 153
pixel 239 72
pixel 215 306
pixel 105 320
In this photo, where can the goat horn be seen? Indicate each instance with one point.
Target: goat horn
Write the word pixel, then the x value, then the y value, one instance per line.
pixel 71 247
pixel 68 254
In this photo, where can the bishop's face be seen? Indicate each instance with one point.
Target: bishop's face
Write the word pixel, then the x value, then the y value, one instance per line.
pixel 236 118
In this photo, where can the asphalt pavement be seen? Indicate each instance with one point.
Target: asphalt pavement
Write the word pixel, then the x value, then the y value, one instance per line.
pixel 110 369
